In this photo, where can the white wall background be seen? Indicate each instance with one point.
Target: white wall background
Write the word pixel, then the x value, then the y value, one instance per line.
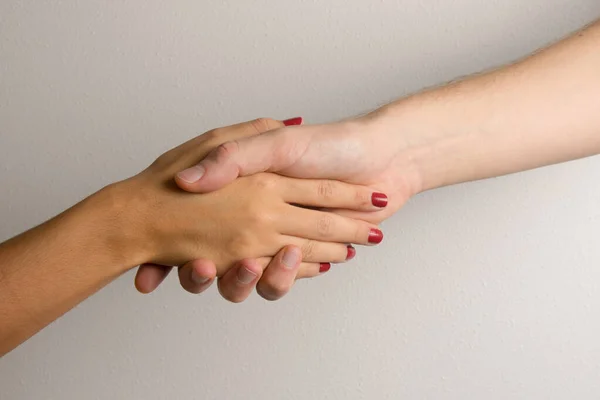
pixel 488 290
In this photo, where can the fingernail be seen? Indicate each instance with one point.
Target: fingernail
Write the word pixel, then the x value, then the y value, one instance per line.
pixel 351 253
pixel 379 200
pixel 291 257
pixel 191 175
pixel 324 267
pixel 245 276
pixel 293 121
pixel 375 236
pixel 197 278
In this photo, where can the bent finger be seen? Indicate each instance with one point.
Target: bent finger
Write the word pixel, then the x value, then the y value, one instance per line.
pixel 196 276
pixel 149 276
pixel 238 282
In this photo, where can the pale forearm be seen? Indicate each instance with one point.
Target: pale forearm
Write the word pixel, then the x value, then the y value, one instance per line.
pixel 542 110
pixel 51 268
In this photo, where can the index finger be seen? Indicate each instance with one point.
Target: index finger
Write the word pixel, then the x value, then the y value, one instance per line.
pixel 272 151
pixel 199 147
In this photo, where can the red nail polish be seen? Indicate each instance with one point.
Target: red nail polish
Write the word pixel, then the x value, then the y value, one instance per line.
pixel 375 236
pixel 379 200
pixel 324 267
pixel 351 253
pixel 293 121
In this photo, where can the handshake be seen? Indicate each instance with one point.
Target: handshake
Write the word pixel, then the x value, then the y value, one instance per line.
pixel 258 204
pixel 261 204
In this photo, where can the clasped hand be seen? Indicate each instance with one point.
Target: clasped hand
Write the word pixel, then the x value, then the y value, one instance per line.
pixel 264 230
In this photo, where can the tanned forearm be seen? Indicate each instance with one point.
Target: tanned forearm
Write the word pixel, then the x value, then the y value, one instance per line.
pixel 49 269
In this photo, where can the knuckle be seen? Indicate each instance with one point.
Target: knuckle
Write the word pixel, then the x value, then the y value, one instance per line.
pixel 326 190
pixel 164 160
pixel 226 150
pixel 159 163
pixel 213 134
pixel 362 197
pixel 261 125
pixel 259 219
pixel 325 225
pixel 308 249
pixel 264 181
pixel 241 245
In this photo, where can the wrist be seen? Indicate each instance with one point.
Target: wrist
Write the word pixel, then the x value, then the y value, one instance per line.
pixel 397 135
pixel 115 210
pixel 427 131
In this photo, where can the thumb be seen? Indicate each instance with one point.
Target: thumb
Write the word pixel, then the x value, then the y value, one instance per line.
pixel 271 151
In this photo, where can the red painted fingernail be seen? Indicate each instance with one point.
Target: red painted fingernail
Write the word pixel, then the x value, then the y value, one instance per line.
pixel 379 199
pixel 293 121
pixel 375 236
pixel 351 253
pixel 324 267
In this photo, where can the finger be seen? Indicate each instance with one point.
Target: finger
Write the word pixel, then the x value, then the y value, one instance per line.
pixel 193 150
pixel 149 276
pixel 196 276
pixel 314 251
pixel 271 151
pixel 305 270
pixel 332 194
pixel 278 279
pixel 328 227
pixel 239 281
pixel 374 218
pixel 219 137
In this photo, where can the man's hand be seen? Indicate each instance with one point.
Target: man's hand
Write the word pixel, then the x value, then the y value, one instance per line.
pixel 358 151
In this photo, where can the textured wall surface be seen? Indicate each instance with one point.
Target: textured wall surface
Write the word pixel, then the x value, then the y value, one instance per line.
pixel 489 290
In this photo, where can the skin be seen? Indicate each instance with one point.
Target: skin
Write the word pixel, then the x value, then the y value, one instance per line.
pixel 49 269
pixel 539 111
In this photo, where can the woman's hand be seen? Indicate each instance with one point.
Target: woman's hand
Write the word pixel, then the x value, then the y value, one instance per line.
pixel 252 218
pixel 365 151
